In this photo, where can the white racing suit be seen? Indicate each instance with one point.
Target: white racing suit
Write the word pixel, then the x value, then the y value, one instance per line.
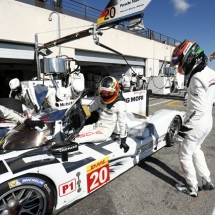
pixel 11 115
pixel 201 92
pixel 141 82
pixel 109 116
pixel 50 99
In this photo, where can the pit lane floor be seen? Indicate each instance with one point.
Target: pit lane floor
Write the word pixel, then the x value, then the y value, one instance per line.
pixel 148 188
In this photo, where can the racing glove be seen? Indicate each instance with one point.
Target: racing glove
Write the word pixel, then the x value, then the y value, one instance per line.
pixel 179 137
pixel 35 123
pixel 124 145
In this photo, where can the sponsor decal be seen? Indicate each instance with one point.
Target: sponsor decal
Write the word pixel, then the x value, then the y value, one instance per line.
pixel 61 104
pixel 134 99
pixel 67 148
pixel 67 187
pixel 98 174
pixel 28 180
pixel 139 92
pixel 79 182
pixel 89 134
pixel 47 188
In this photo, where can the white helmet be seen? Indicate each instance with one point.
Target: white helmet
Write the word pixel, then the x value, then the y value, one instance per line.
pixel 62 93
pixel 77 86
pixel 14 84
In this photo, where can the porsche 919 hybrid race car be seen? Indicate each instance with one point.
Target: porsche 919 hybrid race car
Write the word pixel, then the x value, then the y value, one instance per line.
pixel 43 173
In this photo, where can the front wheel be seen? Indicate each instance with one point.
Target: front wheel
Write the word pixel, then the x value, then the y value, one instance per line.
pixel 29 194
pixel 173 130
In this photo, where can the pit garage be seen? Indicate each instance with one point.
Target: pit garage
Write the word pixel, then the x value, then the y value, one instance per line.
pixel 95 66
pixel 16 61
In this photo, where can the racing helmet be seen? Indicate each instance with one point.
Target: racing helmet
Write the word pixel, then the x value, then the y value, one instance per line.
pixel 62 94
pixel 77 87
pixel 108 89
pixel 187 55
pixel 14 84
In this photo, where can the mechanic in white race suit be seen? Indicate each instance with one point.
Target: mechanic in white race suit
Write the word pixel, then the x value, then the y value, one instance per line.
pixel 17 90
pixel 112 110
pixel 76 83
pixel 53 96
pixel 192 61
pixel 9 114
pixel 75 89
pixel 141 81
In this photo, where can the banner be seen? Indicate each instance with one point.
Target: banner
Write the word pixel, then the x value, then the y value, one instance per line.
pixel 117 9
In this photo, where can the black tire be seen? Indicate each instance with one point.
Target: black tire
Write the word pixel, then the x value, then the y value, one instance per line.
pixel 173 130
pixel 11 103
pixel 28 193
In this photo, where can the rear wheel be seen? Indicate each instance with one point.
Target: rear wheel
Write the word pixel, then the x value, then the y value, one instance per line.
pixel 29 194
pixel 173 130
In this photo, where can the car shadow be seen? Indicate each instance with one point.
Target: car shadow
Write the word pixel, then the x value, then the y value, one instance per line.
pixel 178 178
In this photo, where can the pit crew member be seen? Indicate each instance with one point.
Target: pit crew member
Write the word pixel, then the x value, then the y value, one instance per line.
pixel 9 114
pixel 198 120
pixel 54 96
pixel 17 90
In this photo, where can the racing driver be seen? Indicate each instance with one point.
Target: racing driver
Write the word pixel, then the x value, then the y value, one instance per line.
pixel 192 61
pixel 112 109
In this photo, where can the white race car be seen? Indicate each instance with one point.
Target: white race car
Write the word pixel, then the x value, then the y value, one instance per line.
pixel 43 173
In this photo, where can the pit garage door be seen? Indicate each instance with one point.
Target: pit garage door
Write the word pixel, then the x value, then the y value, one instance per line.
pixel 16 51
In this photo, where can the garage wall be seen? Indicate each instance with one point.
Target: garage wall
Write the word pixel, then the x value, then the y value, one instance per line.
pixel 20 22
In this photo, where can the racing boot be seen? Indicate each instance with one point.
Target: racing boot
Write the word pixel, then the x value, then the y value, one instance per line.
pixel 191 191
pixel 207 184
pixel 124 146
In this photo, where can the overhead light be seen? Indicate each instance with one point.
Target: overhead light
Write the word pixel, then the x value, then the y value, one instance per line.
pixel 136 25
pixel 45 52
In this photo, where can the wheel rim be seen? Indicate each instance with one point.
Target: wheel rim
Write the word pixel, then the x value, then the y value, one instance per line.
pixel 174 128
pixel 23 200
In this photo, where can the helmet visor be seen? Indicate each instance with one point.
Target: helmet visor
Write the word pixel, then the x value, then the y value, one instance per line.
pixel 176 60
pixel 106 92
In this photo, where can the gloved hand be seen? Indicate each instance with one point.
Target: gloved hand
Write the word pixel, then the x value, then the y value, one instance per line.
pixel 35 123
pixel 179 137
pixel 124 145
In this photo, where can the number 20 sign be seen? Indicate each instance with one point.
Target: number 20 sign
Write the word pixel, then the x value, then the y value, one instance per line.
pixel 98 174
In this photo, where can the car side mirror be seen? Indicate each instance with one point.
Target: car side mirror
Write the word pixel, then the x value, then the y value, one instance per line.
pixel 63 148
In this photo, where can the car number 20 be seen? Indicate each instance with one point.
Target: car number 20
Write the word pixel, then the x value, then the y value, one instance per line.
pixel 98 174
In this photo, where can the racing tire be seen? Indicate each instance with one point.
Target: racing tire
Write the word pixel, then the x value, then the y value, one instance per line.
pixel 27 194
pixel 174 127
pixel 11 103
